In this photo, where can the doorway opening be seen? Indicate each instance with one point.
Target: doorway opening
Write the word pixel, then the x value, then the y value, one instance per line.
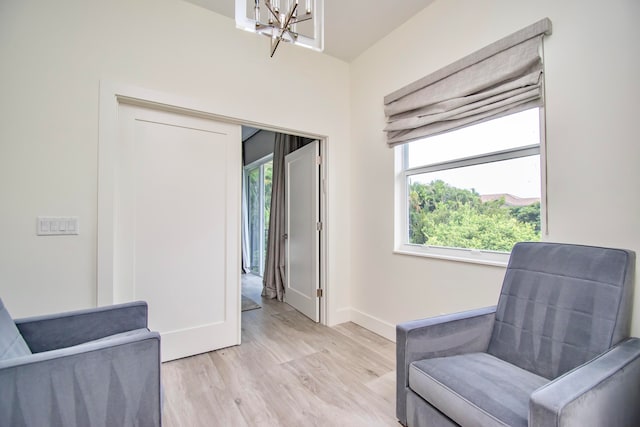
pixel 267 197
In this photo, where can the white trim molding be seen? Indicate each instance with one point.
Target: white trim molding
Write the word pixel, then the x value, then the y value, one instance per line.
pixel 374 324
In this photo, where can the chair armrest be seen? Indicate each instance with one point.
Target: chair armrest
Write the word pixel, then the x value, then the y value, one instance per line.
pixel 447 335
pixel 109 382
pixel 603 391
pixel 50 332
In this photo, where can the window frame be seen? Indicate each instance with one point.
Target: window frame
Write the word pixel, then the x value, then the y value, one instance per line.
pixel 476 256
pixel 258 164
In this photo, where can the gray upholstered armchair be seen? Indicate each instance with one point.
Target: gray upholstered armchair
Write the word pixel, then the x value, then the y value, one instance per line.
pixel 554 352
pixel 96 367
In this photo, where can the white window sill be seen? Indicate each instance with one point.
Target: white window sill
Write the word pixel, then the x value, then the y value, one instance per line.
pixel 496 259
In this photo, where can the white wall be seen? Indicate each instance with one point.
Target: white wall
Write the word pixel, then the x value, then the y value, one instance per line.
pixel 54 55
pixel 592 67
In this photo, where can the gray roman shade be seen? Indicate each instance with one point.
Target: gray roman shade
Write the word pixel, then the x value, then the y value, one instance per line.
pixel 500 79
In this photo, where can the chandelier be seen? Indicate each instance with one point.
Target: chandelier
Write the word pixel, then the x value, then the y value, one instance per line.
pixel 286 21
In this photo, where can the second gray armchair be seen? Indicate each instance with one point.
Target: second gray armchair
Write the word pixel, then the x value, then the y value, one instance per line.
pixel 554 352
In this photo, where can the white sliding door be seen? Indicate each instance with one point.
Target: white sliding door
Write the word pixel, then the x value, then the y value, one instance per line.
pixel 176 226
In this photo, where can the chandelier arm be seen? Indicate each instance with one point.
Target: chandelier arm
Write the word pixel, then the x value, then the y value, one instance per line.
pixel 289 16
pixel 274 44
pixel 294 35
pixel 307 17
pixel 267 3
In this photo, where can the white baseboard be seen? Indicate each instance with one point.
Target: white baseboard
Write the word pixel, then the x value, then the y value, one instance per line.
pixel 341 315
pixel 379 326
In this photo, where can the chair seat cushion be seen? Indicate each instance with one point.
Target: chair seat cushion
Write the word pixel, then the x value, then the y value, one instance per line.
pixel 476 388
pixel 11 342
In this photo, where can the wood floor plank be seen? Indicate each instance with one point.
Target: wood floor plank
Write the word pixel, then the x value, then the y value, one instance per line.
pixel 194 398
pixel 340 396
pixel 385 387
pixel 288 371
pixel 368 339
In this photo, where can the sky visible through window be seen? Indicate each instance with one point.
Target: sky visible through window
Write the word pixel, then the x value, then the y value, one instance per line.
pixel 519 177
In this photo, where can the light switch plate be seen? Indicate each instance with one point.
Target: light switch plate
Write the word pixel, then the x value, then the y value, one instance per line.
pixel 57 226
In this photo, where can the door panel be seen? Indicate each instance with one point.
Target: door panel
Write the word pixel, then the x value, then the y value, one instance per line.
pixel 177 231
pixel 303 236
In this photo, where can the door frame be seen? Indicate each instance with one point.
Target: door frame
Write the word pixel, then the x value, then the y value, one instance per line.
pixel 111 95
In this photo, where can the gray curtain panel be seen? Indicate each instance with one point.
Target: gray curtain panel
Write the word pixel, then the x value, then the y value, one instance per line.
pixel 274 278
pixel 500 79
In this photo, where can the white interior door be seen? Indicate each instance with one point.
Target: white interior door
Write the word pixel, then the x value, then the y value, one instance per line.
pixel 176 226
pixel 302 175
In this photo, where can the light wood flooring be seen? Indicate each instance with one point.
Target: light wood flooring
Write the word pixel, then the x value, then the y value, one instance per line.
pixel 288 371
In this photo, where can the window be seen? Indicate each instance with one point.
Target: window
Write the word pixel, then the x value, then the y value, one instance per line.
pixel 258 181
pixel 472 193
pixel 467 138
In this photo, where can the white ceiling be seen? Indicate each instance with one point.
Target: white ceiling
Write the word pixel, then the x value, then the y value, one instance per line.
pixel 351 26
